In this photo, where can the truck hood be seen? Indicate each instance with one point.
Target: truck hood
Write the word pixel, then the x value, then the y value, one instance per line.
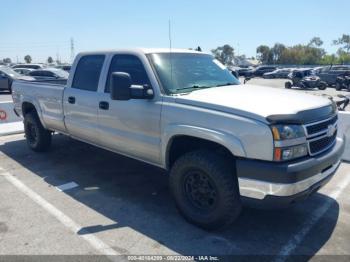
pixel 260 103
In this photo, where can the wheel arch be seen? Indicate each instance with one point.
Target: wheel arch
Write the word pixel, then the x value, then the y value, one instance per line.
pixel 31 106
pixel 182 139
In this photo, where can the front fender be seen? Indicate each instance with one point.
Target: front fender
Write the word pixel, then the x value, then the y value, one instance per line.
pixel 232 143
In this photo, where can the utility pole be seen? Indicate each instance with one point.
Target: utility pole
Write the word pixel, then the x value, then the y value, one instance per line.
pixel 72 53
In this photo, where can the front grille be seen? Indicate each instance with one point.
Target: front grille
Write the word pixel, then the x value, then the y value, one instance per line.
pixel 322 126
pixel 320 145
pixel 321 135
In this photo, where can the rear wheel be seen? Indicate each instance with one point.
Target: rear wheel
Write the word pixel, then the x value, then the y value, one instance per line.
pixel 338 86
pixel 288 85
pixel 38 138
pixel 322 86
pixel 205 189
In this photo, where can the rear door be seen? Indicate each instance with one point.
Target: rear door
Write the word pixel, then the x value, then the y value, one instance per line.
pixel 80 101
pixel 130 127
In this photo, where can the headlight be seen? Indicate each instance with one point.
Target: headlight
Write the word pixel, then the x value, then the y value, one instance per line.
pixel 285 132
pixel 289 142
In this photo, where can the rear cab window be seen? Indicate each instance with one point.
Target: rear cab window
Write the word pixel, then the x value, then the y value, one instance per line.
pixel 87 73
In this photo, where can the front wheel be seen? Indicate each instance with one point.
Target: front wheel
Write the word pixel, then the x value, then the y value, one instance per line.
pixel 205 189
pixel 38 138
pixel 288 85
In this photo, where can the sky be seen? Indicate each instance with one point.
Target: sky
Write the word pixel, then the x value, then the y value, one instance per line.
pixel 43 28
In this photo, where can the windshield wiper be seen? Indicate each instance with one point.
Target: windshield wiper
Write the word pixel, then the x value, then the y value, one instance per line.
pixel 192 87
pixel 227 84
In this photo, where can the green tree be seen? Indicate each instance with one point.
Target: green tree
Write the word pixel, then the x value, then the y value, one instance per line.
pixel 264 54
pixel 224 54
pixel 7 60
pixel 277 52
pixel 50 60
pixel 315 42
pixel 343 41
pixel 343 57
pixel 28 59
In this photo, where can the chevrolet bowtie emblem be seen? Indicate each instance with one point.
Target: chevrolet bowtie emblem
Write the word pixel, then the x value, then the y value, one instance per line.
pixel 331 130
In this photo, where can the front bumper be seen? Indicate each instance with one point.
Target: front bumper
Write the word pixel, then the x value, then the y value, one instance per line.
pixel 283 183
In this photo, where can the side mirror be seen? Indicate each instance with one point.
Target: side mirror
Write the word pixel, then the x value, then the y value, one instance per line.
pixel 122 89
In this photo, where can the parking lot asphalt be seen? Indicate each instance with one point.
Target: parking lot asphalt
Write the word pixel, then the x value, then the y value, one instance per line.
pixel 123 207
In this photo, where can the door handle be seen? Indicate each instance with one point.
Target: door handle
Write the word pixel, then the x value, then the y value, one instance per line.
pixel 104 105
pixel 71 100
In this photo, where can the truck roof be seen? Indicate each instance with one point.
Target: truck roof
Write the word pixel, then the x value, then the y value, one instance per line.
pixel 143 51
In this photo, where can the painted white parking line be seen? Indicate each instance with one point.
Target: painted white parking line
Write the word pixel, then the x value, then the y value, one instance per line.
pixel 94 241
pixel 294 242
pixel 67 186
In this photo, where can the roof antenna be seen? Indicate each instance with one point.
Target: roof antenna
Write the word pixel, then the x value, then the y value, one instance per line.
pixel 170 49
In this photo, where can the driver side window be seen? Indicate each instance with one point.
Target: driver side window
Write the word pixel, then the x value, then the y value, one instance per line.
pixel 128 64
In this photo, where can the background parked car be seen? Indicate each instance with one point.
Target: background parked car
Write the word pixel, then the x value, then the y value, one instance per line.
pixel 23 71
pixel 329 74
pixel 64 67
pixel 49 74
pixel 242 71
pixel 260 70
pixel 343 81
pixel 7 75
pixel 317 70
pixel 32 66
pixel 306 79
pixel 278 73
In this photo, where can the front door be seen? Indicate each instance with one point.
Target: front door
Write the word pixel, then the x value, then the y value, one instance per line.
pixel 130 127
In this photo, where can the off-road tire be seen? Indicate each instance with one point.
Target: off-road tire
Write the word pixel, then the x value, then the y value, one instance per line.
pixel 221 174
pixel 338 87
pixel 38 138
pixel 322 86
pixel 288 85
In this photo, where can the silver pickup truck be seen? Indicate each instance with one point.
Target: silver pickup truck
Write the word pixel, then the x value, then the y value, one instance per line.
pixel 223 143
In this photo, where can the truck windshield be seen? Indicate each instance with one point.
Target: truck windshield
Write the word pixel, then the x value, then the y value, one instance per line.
pixel 186 72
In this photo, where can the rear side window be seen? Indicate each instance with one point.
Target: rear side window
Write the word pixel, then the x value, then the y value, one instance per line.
pixel 88 72
pixel 47 73
pixel 35 73
pixel 128 64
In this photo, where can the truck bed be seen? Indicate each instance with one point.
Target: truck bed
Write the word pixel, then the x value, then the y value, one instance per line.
pixel 47 95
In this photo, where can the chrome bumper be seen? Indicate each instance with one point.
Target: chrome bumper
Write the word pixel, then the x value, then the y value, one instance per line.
pixel 259 189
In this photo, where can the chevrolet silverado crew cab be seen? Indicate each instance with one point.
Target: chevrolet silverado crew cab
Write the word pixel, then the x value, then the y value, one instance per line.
pixel 223 143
